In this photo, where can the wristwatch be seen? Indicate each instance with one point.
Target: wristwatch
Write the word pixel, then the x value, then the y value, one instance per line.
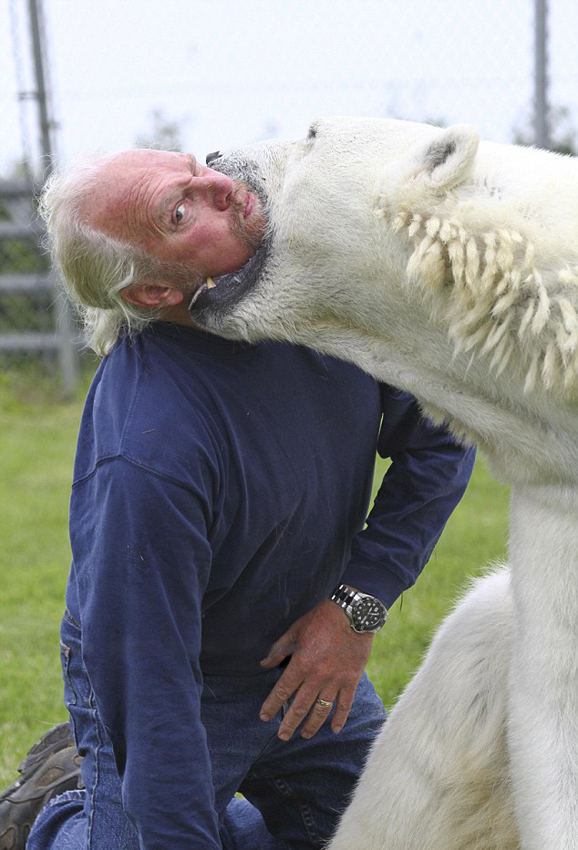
pixel 366 613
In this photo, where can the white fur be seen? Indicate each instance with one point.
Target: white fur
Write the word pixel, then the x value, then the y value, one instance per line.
pixel 449 268
pixel 438 776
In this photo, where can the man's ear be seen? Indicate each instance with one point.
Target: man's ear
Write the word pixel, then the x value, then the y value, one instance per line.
pixel 152 295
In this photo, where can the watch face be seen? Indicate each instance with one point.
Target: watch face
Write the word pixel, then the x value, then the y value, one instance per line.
pixel 368 614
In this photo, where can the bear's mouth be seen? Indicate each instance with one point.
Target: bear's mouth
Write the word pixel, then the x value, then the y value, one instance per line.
pixel 221 293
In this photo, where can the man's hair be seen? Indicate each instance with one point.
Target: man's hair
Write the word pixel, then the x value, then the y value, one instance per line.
pixel 95 267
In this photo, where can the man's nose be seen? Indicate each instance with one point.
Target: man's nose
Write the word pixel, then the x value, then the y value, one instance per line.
pixel 219 186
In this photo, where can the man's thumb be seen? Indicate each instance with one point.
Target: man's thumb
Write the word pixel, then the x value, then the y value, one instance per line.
pixel 279 651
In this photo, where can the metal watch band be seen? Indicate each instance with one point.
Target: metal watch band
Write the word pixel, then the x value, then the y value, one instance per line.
pixel 344 596
pixel 348 599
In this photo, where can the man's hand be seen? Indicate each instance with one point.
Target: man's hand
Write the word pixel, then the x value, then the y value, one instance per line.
pixel 327 660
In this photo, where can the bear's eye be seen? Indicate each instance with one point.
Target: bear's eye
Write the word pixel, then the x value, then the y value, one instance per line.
pixel 312 134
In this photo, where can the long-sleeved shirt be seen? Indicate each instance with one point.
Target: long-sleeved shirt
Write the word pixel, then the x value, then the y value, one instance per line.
pixel 220 492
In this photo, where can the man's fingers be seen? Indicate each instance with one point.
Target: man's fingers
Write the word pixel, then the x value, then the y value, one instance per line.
pixel 281 693
pixel 327 659
pixel 307 705
pixel 298 711
pixel 320 711
pixel 342 708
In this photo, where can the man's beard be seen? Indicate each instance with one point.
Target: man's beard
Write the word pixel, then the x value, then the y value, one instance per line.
pixel 180 275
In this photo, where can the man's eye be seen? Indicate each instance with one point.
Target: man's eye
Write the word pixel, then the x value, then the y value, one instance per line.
pixel 179 213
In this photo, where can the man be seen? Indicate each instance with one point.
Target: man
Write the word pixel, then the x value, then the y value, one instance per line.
pixel 217 512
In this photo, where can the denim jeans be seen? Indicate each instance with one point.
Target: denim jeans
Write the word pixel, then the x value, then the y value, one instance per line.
pixel 293 791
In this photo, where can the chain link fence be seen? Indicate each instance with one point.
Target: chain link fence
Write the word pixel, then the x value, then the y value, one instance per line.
pixel 242 72
pixel 38 340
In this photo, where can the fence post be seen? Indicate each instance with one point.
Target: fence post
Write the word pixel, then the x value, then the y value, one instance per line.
pixel 541 107
pixel 67 354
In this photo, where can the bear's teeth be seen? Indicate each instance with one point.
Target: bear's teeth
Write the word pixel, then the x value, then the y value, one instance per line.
pixel 211 283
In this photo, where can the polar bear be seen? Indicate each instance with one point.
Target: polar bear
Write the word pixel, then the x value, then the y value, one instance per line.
pixel 448 267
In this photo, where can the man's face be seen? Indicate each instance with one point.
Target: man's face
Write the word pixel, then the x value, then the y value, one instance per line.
pixel 177 210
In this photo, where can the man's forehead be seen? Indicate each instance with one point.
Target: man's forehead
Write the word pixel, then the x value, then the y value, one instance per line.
pixel 125 174
pixel 143 159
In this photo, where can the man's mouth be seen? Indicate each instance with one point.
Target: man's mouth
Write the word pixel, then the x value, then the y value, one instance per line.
pixel 249 205
pixel 243 201
pixel 216 294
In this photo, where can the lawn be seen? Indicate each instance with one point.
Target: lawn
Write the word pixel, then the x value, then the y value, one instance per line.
pixel 36 459
pixel 38 439
pixel 474 538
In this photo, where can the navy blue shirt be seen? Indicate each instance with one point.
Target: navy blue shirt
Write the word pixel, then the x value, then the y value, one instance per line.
pixel 220 492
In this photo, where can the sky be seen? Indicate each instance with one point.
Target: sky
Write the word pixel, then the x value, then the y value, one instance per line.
pixel 231 73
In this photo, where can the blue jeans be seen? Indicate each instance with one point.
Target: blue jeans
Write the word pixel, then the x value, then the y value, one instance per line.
pixel 293 791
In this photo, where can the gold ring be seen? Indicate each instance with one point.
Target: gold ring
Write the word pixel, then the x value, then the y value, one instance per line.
pixel 323 702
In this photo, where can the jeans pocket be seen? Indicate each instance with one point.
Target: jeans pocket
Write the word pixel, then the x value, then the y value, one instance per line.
pixel 69 693
pixel 78 694
pixel 70 698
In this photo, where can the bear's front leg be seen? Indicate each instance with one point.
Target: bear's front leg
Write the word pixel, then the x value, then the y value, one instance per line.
pixel 543 680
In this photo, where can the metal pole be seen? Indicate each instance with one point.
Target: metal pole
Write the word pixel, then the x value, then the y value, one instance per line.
pixel 541 108
pixel 64 323
pixel 41 96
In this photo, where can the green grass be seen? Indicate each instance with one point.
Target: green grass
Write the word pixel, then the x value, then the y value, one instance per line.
pixel 38 442
pixel 475 537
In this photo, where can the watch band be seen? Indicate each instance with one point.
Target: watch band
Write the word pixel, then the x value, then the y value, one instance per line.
pixel 352 601
pixel 344 596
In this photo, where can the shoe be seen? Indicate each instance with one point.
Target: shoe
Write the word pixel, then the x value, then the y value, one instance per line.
pixel 51 767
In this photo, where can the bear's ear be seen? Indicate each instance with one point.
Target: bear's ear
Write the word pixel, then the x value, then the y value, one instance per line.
pixel 446 161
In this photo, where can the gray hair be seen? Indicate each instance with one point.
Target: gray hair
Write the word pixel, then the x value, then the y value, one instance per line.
pixel 95 267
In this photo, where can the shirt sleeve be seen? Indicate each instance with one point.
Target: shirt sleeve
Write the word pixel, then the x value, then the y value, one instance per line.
pixel 427 478
pixel 142 562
